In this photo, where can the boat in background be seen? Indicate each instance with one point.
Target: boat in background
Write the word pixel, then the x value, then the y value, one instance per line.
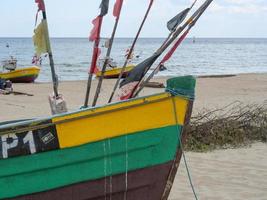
pixel 21 75
pixel 115 72
pixel 9 64
pixel 112 70
pixel 87 155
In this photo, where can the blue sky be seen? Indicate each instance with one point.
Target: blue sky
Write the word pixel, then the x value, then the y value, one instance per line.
pixel 72 18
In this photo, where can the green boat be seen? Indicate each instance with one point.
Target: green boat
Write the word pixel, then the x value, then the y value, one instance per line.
pixel 128 150
pixel 89 155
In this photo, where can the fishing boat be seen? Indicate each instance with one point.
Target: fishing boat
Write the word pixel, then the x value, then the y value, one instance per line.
pixel 17 75
pixel 21 75
pixel 128 149
pixel 88 155
pixel 9 64
pixel 115 72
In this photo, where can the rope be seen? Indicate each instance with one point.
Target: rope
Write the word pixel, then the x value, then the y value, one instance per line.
pixel 183 154
pixel 188 171
pixel 110 166
pixel 105 169
pixel 126 167
pixel 188 93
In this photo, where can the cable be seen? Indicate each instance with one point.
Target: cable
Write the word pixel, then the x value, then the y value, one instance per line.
pixel 183 154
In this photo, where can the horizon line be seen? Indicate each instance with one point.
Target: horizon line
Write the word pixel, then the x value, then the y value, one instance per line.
pixel 56 37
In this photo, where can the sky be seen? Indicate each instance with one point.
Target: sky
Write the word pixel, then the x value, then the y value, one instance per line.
pixel 72 18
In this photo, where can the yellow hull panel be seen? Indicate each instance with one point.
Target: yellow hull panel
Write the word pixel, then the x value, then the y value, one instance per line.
pixel 119 119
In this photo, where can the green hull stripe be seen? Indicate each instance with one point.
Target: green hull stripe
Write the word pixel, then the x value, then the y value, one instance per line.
pixel 45 171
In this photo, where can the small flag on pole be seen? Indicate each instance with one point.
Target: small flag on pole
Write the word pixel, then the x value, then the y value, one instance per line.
pixel 41 5
pixel 95 31
pixel 96 54
pixel 39 39
pixel 177 20
pixel 129 84
pixel 173 49
pixel 117 8
pixel 104 7
pixel 94 35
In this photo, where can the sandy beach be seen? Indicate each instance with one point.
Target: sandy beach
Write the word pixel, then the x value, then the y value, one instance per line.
pixel 224 174
pixel 212 92
pixel 232 174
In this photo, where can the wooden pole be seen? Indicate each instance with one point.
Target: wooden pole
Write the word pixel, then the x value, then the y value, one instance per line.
pixel 57 103
pixel 130 52
pixel 50 55
pixel 100 81
pixel 93 65
pixel 191 22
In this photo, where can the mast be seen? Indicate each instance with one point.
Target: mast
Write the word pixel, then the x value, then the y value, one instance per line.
pixel 41 6
pixel 166 58
pixel 191 23
pixel 95 36
pixel 42 45
pixel 172 26
pixel 130 51
pixel 129 85
pixel 116 13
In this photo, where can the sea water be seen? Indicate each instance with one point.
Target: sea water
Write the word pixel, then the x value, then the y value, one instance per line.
pixel 199 56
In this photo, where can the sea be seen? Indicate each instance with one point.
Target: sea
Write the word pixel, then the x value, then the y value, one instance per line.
pixel 195 56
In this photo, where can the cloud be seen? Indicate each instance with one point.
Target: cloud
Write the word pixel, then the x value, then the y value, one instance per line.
pixel 240 6
pixel 231 18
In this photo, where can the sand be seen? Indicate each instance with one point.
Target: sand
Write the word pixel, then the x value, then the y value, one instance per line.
pixel 210 93
pixel 225 174
pixel 232 174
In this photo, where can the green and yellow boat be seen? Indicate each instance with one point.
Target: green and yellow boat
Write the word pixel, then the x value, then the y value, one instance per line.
pixel 125 150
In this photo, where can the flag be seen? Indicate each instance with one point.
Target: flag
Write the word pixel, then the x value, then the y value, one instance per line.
pixel 97 22
pixel 129 84
pixel 172 50
pixel 177 20
pixel 96 70
pixel 117 8
pixel 125 92
pixel 39 39
pixel 96 29
pixel 96 54
pixel 41 5
pixel 36 60
pixel 104 7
